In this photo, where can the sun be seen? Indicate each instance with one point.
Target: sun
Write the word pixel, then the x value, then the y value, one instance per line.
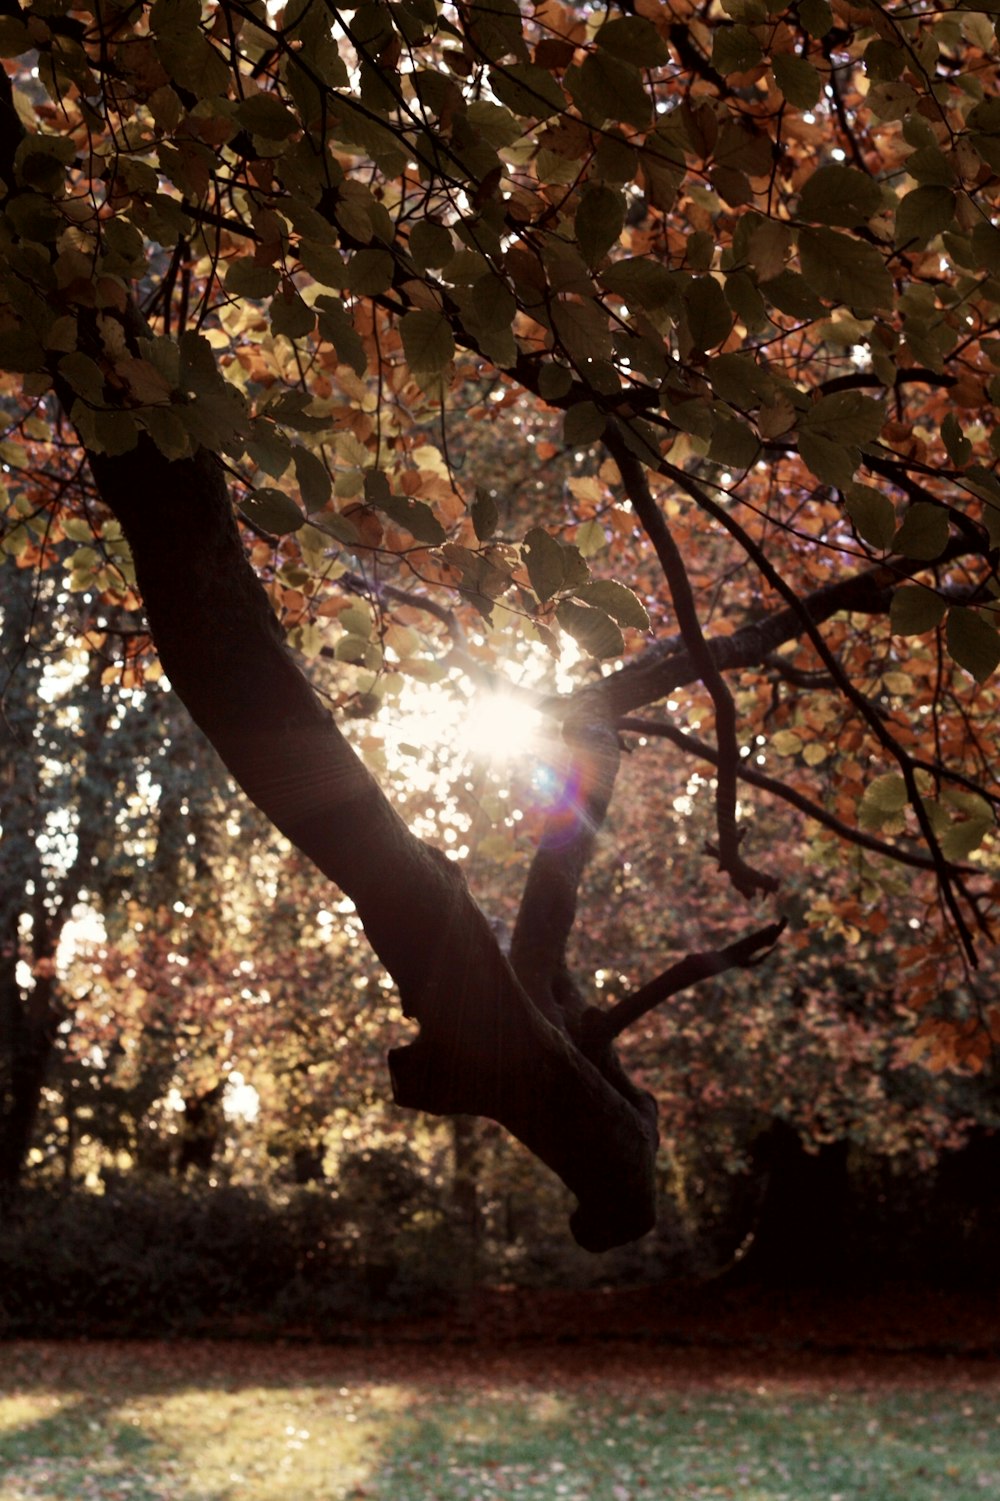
pixel 499 726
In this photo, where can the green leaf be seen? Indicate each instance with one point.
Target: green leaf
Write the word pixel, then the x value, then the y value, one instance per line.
pixel 841 195
pixel 595 631
pixel 590 538
pixel 844 270
pixel 972 642
pixel 986 246
pixel 735 49
pixel 960 839
pixel 369 272
pixel 791 293
pixel 484 514
pixel 844 417
pixel 427 341
pixel 634 39
pixel 554 381
pixel 273 511
pixel 915 609
pixel 600 219
pixel 833 463
pixel 873 515
pixel 922 214
pixel 336 328
pixel 958 446
pixel 544 559
pixel 583 423
pixel 430 244
pixel 315 486
pixel 246 279
pixel 604 88
pixel 884 800
pixel 816 16
pixel 797 79
pixel 615 600
pixel 709 318
pixel 924 532
pixel 528 90
pixel 642 282
pixel 582 330
pixel 290 315
pixel 415 515
pixel 265 115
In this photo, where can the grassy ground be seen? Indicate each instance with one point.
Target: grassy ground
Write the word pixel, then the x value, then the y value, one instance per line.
pixel 208 1421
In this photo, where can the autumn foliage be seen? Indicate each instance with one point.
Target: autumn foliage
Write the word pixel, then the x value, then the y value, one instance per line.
pixel 396 344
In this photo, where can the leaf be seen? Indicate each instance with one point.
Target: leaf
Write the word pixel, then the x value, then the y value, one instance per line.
pixel 582 330
pixel 273 511
pixel 265 115
pixel 528 90
pixel 833 463
pixel 924 532
pixel 594 630
pixel 841 195
pixel 315 486
pixel 590 538
pixel 642 282
pixel 844 417
pixel 583 423
pixel 915 609
pixel 884 800
pixel 735 49
pixel 972 642
pixel 958 446
pixel 873 515
pixel 709 319
pixel 336 328
pixel 244 278
pixel 797 79
pixel 290 315
pixel 785 743
pixel 484 514
pixel 430 244
pixel 369 272
pixel 816 16
pixel 600 218
pixel 415 515
pixel 427 341
pixel 844 270
pixel 605 88
pixel 617 601
pixel 922 214
pixel 634 39
pixel 544 560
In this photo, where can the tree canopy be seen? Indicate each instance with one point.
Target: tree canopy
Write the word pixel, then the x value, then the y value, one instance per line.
pixel 721 285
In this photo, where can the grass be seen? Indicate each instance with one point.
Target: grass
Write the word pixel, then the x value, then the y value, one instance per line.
pixel 215 1422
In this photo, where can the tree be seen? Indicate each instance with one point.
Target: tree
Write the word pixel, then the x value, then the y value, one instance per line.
pixel 259 262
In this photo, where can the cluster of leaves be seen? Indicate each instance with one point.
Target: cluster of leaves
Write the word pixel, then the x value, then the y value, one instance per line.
pixel 732 275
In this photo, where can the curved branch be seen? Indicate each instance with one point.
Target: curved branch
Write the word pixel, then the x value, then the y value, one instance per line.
pixel 603 1026
pixel 744 877
pixel 795 799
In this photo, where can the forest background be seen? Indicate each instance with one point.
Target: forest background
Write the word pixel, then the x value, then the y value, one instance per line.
pixel 595 411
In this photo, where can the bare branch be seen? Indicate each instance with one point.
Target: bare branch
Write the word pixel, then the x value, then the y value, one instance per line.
pixel 695 747
pixel 744 877
pixel 603 1026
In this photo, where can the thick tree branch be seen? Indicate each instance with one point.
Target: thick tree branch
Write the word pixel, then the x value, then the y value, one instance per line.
pixel 583 782
pixel 483 1048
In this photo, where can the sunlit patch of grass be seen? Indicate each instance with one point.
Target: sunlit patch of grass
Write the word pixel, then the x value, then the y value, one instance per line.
pixel 232 1423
